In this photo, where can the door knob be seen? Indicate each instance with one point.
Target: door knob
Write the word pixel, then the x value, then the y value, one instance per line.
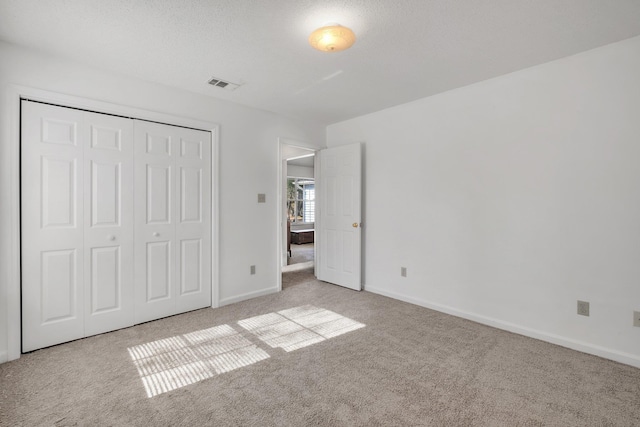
pixel 156 234
pixel 111 237
pixel 354 225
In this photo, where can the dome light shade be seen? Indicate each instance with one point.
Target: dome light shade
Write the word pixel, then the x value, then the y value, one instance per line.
pixel 332 38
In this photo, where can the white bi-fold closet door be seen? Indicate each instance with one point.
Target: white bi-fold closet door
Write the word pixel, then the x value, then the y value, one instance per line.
pixel 172 220
pixel 116 222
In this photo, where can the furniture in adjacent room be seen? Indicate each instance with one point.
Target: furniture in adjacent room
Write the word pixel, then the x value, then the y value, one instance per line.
pixel 300 237
pixel 289 238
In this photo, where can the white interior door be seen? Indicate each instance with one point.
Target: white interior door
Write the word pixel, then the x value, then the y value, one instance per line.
pixel 77 224
pixel 172 220
pixel 339 213
pixel 108 223
pixel 193 226
pixel 52 225
pixel 155 184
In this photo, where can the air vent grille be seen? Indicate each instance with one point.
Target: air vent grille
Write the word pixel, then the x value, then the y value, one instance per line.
pixel 222 84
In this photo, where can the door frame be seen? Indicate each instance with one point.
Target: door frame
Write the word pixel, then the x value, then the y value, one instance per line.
pixel 280 203
pixel 11 191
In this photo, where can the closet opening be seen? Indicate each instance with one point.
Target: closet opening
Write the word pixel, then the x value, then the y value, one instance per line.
pixel 118 221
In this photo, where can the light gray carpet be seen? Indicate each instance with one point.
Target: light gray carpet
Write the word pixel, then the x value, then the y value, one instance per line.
pixel 406 366
pixel 297 277
pixel 301 253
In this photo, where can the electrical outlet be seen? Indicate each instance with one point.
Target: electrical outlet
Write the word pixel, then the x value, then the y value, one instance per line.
pixel 583 308
pixel 403 271
pixel 252 269
pixel 262 198
pixel 636 318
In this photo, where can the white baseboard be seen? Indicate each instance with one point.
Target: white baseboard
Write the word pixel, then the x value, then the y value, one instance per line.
pixel 618 356
pixel 3 356
pixel 249 295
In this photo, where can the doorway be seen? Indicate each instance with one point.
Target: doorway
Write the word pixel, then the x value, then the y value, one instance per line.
pixel 297 209
pixel 13 194
pixel 300 213
pixel 337 219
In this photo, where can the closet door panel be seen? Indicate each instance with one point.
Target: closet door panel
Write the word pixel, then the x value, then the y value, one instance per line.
pixel 155 213
pixel 193 228
pixel 108 225
pixel 52 225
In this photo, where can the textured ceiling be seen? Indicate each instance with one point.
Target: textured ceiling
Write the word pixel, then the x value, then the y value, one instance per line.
pixel 405 49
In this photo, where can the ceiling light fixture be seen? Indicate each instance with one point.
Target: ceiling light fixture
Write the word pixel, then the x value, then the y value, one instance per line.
pixel 332 38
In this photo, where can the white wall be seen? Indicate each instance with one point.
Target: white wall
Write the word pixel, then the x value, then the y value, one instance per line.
pixel 299 171
pixel 248 161
pixel 291 148
pixel 510 199
pixel 305 226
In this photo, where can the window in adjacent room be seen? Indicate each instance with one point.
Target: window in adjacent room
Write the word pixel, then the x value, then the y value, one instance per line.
pixel 301 200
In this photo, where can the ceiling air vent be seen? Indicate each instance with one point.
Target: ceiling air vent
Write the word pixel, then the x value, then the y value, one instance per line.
pixel 222 84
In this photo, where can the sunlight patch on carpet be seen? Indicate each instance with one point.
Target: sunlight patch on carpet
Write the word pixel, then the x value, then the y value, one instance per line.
pixel 168 364
pixel 171 363
pixel 299 327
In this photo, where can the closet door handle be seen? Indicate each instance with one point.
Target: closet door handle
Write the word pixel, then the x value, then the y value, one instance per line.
pixel 111 237
pixel 156 234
